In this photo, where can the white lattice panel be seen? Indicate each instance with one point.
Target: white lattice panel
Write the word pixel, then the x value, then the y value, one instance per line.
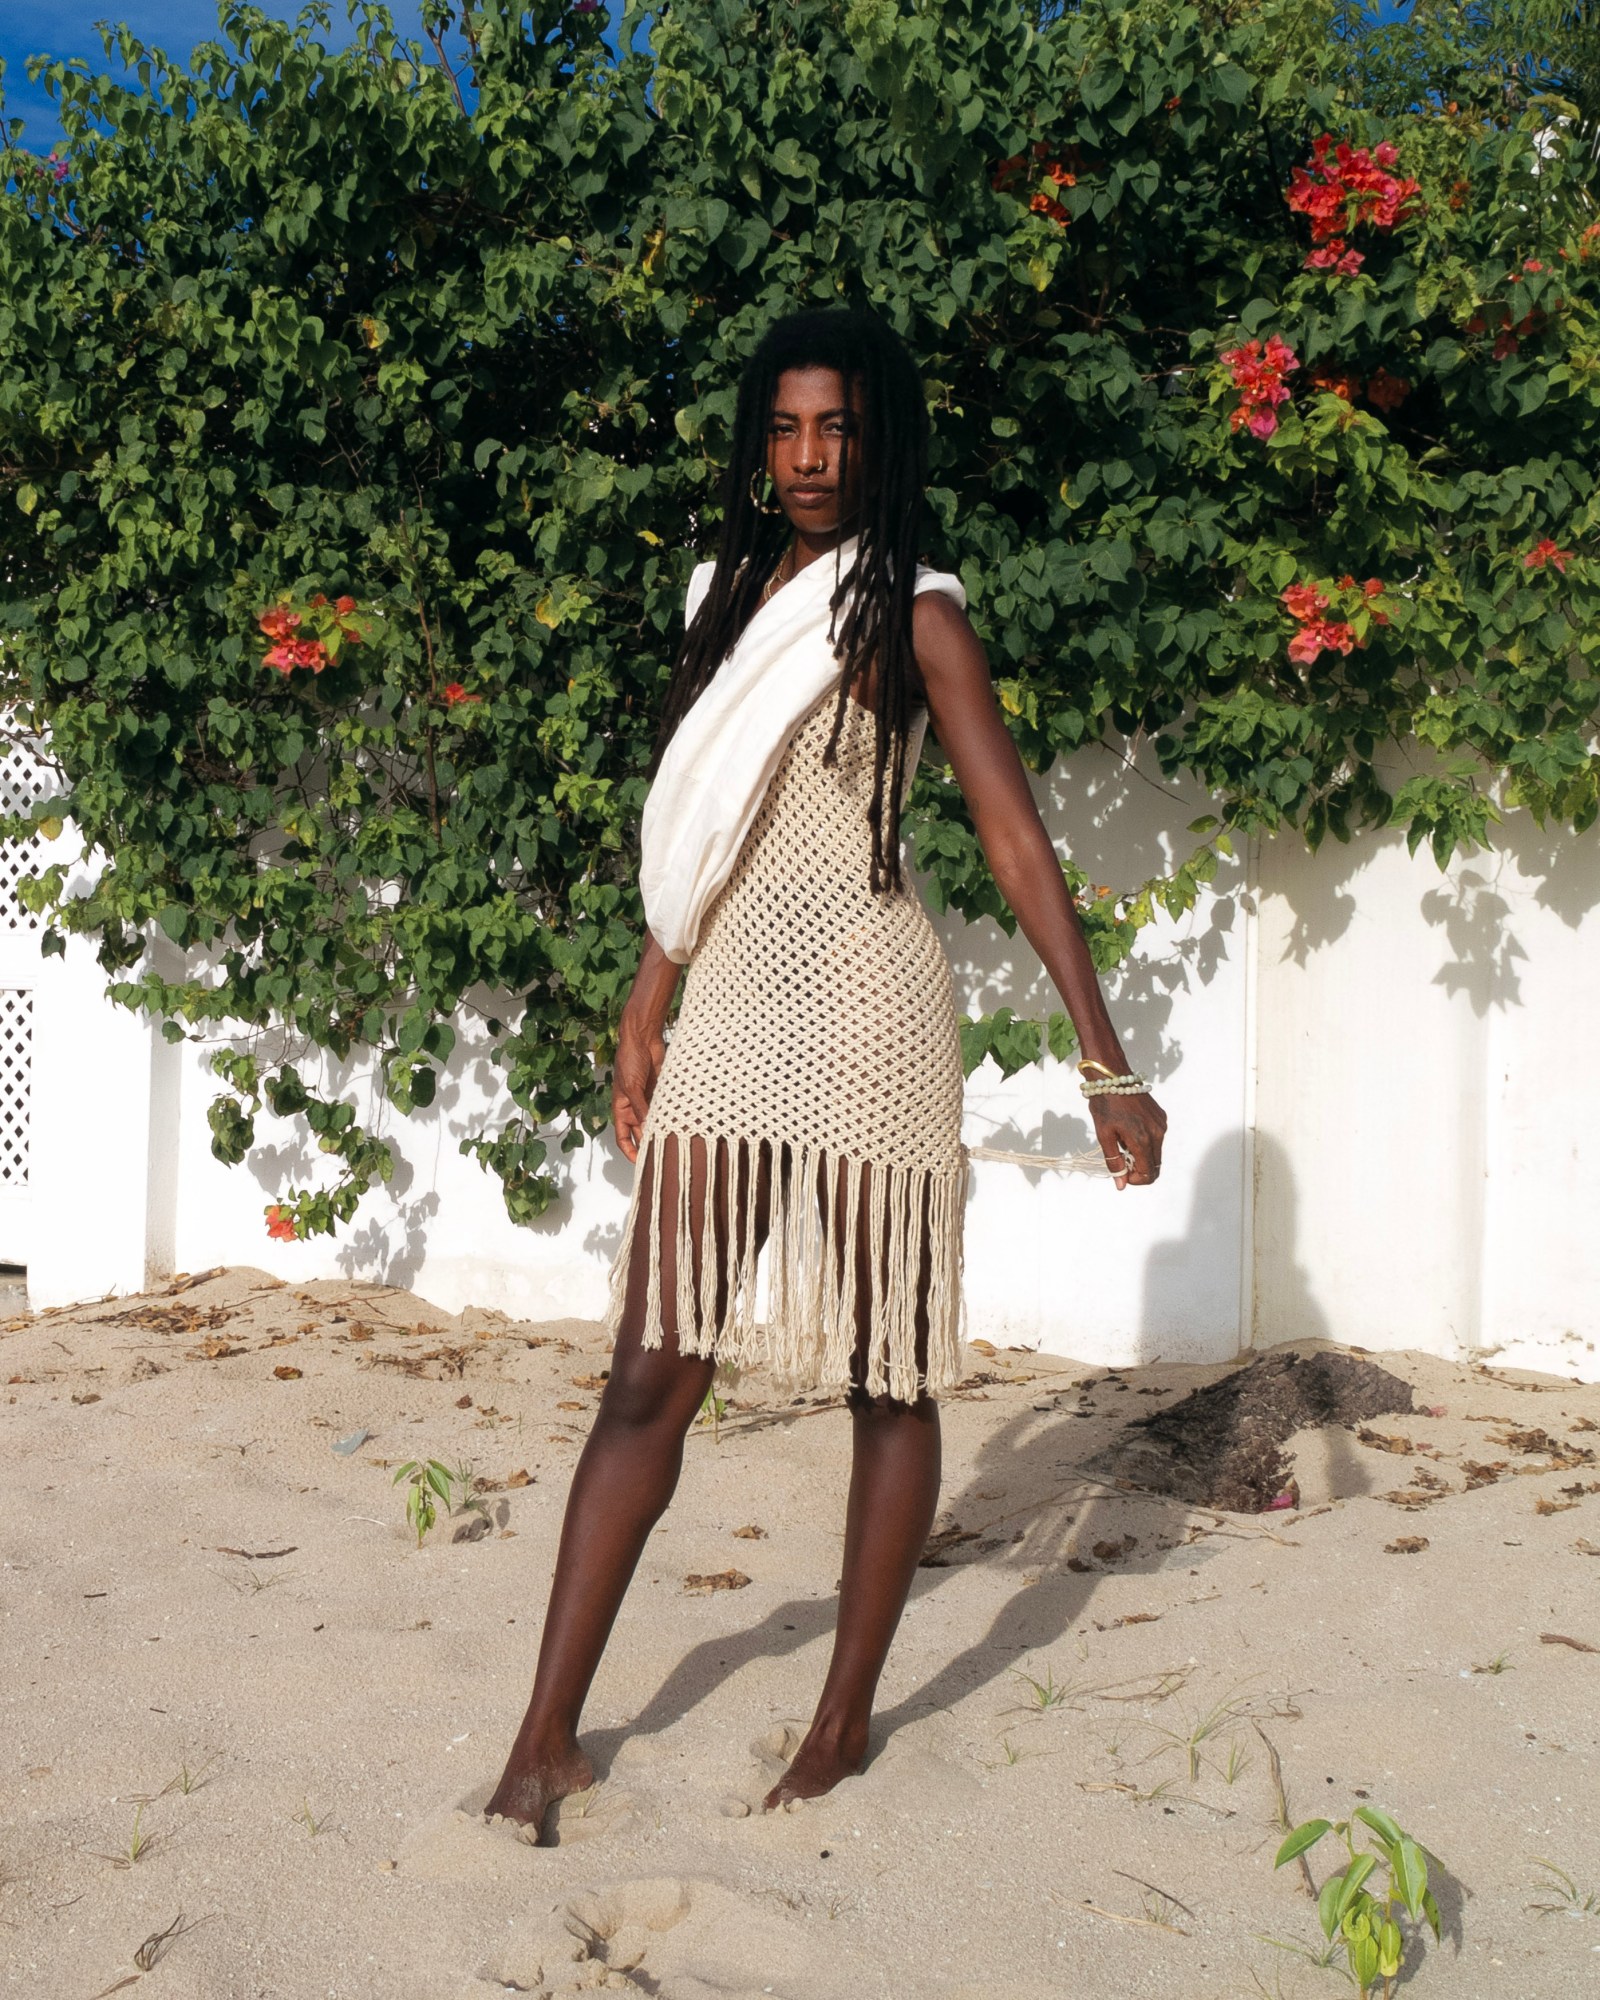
pixel 16 1084
pixel 20 784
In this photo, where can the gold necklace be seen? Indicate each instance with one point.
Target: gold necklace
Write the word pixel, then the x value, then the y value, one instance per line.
pixel 771 583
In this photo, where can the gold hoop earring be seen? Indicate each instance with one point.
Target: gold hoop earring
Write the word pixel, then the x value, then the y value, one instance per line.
pixel 756 501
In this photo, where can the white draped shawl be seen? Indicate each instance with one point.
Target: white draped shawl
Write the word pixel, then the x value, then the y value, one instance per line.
pixel 715 771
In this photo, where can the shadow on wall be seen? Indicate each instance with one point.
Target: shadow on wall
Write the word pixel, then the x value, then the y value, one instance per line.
pixel 1277 1271
pixel 1473 902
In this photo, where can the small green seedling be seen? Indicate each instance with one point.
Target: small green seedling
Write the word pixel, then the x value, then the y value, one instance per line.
pixel 1046 1693
pixel 1562 1896
pixel 189 1778
pixel 1367 1925
pixel 139 1842
pixel 428 1480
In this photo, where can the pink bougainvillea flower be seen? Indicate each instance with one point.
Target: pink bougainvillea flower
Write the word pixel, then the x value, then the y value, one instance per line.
pixel 279 623
pixel 1546 552
pixel 1303 601
pixel 455 694
pixel 1387 391
pixel 1320 635
pixel 1335 256
pixel 281 1225
pixel 292 653
pixel 1258 369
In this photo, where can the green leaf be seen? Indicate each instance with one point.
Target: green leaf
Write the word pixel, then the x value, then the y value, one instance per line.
pixel 1410 1875
pixel 1380 1822
pixel 1301 1839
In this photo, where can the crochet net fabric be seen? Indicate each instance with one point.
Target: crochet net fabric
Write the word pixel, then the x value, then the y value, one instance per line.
pixel 816 1052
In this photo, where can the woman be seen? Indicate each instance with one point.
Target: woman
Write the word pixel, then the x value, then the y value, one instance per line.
pixel 810 1099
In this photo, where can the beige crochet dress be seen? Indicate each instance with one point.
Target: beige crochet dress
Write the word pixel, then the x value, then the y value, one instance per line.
pixel 819 1018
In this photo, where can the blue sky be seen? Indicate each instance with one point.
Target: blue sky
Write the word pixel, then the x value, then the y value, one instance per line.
pixel 67 28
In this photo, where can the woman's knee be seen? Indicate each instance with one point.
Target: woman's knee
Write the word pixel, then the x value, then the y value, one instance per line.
pixel 655 1386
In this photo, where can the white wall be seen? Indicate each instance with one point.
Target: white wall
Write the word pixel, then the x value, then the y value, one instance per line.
pixel 1426 1098
pixel 1377 1076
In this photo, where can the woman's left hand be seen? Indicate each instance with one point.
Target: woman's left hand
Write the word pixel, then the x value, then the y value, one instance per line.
pixel 1130 1131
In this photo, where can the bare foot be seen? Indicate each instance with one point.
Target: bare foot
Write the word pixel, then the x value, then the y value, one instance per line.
pixel 826 1756
pixel 533 1780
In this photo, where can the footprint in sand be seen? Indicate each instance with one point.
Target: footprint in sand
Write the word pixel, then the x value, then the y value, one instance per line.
pixel 601 1938
pixel 457 1842
pixel 692 1939
pixel 773 1752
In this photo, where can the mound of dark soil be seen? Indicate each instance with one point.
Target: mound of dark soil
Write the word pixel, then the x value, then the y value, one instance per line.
pixel 1220 1446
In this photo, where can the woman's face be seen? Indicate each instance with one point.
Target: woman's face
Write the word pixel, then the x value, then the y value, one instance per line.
pixel 814 410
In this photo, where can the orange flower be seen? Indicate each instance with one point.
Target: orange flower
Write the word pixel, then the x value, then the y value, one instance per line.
pixel 279 623
pixel 455 694
pixel 1546 552
pixel 281 1225
pixel 1336 385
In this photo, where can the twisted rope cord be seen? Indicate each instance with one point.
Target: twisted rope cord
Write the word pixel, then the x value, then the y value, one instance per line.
pixel 1091 1162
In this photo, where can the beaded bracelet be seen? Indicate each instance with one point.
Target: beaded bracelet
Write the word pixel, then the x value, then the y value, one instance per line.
pixel 1131 1085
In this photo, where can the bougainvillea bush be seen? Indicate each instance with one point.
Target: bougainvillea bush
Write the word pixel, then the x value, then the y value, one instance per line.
pixel 361 417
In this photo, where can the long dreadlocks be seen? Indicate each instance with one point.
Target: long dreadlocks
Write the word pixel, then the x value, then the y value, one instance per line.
pixel 871 606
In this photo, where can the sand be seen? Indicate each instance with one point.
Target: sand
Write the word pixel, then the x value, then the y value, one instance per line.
pixel 219 1632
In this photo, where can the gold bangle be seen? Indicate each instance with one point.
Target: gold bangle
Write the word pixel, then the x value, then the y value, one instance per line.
pixel 1089 1062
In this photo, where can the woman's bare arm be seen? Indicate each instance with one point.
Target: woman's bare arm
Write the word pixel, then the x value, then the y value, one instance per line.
pixel 641 1045
pixel 966 718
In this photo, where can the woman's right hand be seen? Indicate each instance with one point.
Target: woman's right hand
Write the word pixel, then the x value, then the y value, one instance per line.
pixel 633 1084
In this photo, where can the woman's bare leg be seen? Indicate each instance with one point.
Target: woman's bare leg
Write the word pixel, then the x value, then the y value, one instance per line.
pixel 894 1494
pixel 624 1479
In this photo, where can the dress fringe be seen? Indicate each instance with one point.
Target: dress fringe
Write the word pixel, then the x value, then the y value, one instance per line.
pixel 808 1339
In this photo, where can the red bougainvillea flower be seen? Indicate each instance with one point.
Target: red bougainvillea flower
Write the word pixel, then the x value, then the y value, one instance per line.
pixel 1320 635
pixel 1258 370
pixel 1373 587
pixel 292 653
pixel 1532 264
pixel 1546 552
pixel 1386 391
pixel 279 622
pixel 1505 346
pixel 344 606
pixel 1303 601
pixel 281 1225
pixel 1041 201
pixel 1344 188
pixel 455 694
